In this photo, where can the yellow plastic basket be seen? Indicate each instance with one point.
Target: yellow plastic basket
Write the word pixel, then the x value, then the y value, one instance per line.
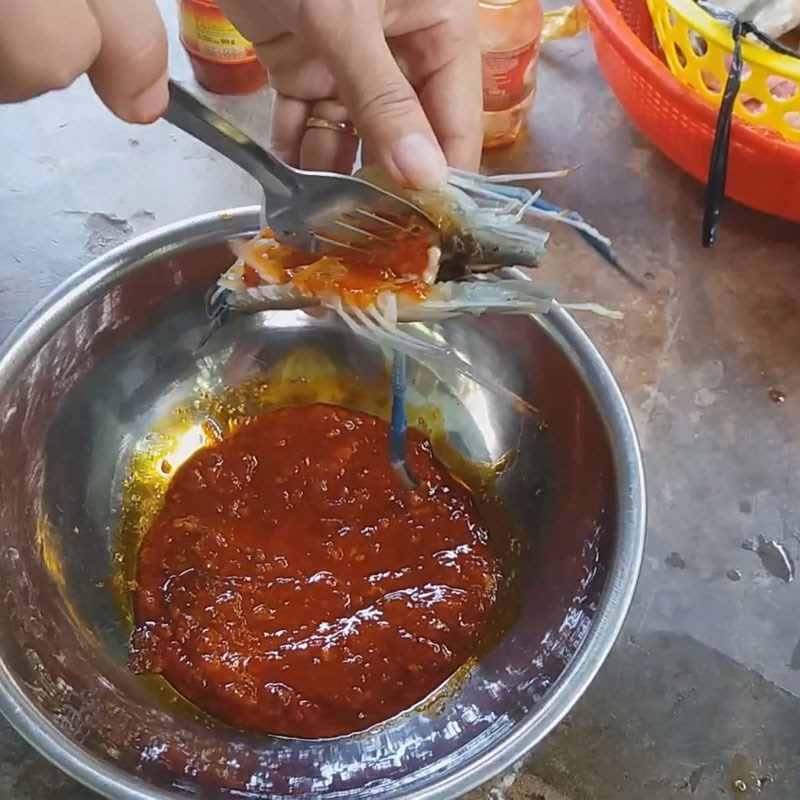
pixel 698 51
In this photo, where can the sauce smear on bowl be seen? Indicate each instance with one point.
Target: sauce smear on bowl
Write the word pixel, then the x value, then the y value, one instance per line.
pixel 289 585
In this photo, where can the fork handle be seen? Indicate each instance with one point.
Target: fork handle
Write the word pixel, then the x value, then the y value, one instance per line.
pixel 190 115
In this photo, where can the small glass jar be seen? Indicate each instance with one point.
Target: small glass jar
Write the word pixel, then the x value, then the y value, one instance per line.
pixel 510 32
pixel 223 61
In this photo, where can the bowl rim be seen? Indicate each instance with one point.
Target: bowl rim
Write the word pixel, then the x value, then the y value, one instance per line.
pixel 91 281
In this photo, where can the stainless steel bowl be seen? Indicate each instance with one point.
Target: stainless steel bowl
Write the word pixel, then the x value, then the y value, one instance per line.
pixel 84 378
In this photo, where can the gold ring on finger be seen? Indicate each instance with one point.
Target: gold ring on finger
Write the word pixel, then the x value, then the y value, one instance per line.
pixel 339 127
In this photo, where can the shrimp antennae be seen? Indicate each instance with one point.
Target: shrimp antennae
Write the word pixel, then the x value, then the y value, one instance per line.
pixel 514 177
pixel 438 358
pixel 491 187
pixel 398 430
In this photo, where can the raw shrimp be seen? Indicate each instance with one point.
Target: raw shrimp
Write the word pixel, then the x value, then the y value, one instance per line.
pixel 480 227
pixel 415 278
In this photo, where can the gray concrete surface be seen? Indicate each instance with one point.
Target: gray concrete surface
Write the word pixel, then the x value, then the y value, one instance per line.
pixel 699 698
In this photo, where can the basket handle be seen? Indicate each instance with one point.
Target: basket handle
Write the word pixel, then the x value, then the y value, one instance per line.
pixel 718 164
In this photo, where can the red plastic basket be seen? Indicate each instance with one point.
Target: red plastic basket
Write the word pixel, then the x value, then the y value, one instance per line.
pixel 763 168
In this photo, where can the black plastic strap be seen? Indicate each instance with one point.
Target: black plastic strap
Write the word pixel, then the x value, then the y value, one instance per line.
pixel 718 165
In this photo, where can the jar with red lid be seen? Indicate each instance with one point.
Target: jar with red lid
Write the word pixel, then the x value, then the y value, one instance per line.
pixel 223 61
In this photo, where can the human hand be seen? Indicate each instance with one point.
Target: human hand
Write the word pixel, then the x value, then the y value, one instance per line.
pixel 406 72
pixel 122 46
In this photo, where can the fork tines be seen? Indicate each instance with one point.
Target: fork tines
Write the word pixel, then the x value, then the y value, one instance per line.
pixel 362 226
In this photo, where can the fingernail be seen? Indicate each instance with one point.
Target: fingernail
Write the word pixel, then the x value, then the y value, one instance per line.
pixel 150 104
pixel 420 161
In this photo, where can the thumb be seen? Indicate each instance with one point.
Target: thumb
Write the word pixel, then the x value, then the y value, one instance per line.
pixel 383 104
pixel 130 72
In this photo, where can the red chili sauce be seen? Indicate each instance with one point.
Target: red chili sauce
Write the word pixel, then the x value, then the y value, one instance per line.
pixel 291 586
pixel 359 279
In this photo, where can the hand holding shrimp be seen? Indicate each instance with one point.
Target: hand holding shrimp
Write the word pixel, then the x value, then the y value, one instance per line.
pixel 406 72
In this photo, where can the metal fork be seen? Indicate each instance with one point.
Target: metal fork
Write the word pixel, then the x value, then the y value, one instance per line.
pixel 313 211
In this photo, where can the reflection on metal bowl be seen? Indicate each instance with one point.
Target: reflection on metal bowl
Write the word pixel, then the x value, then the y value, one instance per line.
pixel 90 372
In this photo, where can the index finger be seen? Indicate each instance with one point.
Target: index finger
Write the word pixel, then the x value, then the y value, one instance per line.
pixel 452 97
pixel 383 104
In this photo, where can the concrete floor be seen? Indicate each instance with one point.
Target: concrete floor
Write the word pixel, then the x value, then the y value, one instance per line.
pixel 700 695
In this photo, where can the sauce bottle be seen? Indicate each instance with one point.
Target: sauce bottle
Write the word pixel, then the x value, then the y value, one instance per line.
pixel 223 61
pixel 510 32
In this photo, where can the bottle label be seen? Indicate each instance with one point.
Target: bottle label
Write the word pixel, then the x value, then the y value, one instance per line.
pixel 207 33
pixel 508 76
